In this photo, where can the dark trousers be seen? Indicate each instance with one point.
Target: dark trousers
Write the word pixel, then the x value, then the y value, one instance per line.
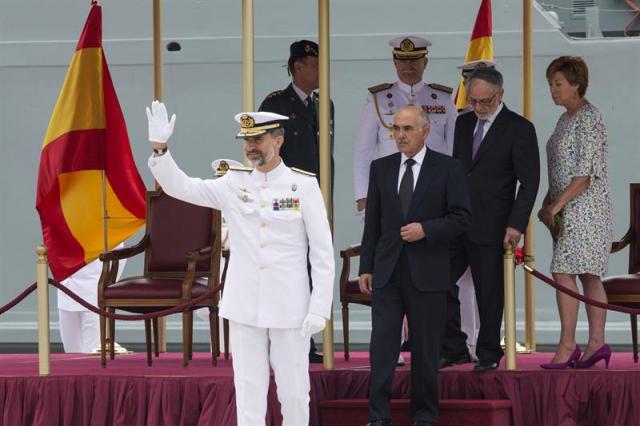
pixel 488 281
pixel 426 315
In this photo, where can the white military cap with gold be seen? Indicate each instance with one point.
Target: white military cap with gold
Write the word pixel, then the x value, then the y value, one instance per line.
pixel 256 123
pixel 409 47
pixel 222 165
pixel 478 63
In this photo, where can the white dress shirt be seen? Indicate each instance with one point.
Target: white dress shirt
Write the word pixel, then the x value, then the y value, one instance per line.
pixel 419 159
pixel 489 121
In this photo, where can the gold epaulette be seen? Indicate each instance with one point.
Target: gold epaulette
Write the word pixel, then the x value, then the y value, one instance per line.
pixel 241 168
pixel 380 87
pixel 441 88
pixel 276 93
pixel 304 172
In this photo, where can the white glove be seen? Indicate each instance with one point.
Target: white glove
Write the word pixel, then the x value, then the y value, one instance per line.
pixel 160 128
pixel 312 324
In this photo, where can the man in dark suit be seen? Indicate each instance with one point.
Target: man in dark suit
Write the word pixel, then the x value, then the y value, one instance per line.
pixel 299 102
pixel 499 151
pixel 416 203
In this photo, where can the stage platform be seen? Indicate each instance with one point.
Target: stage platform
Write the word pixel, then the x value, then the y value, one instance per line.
pixel 127 392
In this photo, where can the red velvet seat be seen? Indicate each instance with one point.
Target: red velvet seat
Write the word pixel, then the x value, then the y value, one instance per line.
pixel 181 261
pixel 349 292
pixel 624 290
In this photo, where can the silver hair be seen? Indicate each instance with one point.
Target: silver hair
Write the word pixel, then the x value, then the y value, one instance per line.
pixel 423 117
pixel 489 75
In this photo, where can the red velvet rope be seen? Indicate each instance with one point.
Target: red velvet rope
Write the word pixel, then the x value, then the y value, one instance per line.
pixel 520 257
pixel 151 315
pixel 179 308
pixel 18 298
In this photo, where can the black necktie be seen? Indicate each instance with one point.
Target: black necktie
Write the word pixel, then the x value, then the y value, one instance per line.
pixel 406 186
pixel 311 106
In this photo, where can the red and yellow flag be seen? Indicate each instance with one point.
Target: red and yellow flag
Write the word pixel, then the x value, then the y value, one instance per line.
pixel 480 46
pixel 89 188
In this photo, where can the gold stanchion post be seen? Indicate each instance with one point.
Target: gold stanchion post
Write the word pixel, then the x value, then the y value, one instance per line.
pixel 42 280
pixel 509 307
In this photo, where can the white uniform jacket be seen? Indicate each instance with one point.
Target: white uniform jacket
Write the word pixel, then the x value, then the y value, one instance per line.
pixel 275 219
pixel 374 138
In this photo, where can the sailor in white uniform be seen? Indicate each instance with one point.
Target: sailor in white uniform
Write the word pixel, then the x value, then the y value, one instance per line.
pixel 79 327
pixel 276 216
pixel 384 100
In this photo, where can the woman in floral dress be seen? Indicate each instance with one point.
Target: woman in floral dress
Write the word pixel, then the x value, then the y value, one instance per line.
pixel 577 210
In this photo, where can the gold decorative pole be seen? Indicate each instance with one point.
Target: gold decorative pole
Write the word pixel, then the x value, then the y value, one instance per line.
pixel 509 307
pixel 158 94
pixel 247 56
pixel 324 127
pixel 529 239
pixel 42 280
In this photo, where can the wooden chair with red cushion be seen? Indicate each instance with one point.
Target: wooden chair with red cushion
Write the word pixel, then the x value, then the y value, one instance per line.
pixel 349 292
pixel 624 290
pixel 181 249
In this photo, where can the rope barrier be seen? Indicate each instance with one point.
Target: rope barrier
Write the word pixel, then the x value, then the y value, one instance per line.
pixel 19 298
pixel 173 310
pixel 616 308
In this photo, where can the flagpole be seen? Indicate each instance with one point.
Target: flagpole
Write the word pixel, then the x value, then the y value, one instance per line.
pixel 529 239
pixel 324 126
pixel 158 83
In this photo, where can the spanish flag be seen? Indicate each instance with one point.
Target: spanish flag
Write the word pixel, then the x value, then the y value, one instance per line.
pixel 90 194
pixel 480 46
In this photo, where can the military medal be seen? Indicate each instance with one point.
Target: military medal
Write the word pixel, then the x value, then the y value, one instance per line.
pixel 294 187
pixel 434 96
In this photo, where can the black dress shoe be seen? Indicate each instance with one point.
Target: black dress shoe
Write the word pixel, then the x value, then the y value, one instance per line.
pixel 380 423
pixel 485 365
pixel 448 362
pixel 315 358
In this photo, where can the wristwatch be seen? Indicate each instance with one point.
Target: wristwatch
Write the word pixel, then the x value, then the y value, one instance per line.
pixel 160 151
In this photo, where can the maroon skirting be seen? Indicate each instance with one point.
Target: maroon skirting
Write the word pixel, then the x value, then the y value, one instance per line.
pixel 127 392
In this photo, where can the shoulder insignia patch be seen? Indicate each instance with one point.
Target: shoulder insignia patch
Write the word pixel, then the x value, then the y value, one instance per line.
pixel 380 87
pixel 241 168
pixel 276 93
pixel 304 172
pixel 441 88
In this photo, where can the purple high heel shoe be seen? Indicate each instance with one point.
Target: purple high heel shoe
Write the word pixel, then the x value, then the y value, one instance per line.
pixel 603 353
pixel 575 356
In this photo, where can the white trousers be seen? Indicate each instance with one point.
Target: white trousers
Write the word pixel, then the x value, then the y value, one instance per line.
pixel 79 331
pixel 254 349
pixel 469 318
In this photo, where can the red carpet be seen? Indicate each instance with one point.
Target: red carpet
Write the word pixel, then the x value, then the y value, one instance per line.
pixel 127 392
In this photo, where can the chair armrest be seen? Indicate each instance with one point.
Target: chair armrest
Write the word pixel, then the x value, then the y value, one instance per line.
pixel 202 253
pixel 127 252
pixel 346 255
pixel 616 246
pixel 352 251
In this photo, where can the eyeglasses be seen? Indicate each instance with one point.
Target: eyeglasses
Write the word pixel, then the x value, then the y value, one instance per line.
pixel 482 102
pixel 399 129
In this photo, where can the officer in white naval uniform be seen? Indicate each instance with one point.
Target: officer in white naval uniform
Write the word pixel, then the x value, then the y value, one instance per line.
pixel 275 215
pixel 79 327
pixel 384 100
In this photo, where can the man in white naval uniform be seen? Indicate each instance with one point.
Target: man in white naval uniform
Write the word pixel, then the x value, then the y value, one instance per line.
pixel 79 327
pixel 276 215
pixel 384 100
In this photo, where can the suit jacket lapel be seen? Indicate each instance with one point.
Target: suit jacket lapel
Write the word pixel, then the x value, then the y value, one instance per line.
pixel 391 180
pixel 493 134
pixel 424 177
